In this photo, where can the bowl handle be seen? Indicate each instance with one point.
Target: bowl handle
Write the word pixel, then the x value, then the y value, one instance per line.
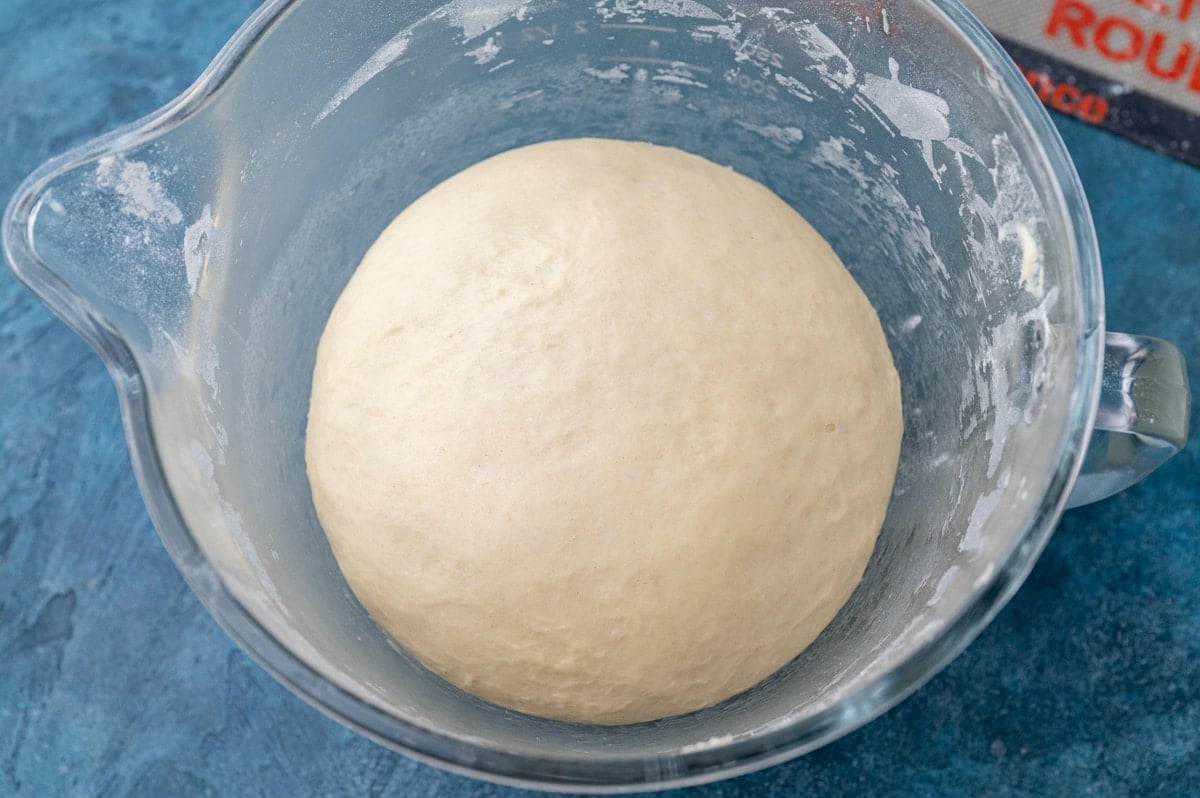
pixel 1143 416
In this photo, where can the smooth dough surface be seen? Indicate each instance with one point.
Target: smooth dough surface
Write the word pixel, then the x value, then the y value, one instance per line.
pixel 602 431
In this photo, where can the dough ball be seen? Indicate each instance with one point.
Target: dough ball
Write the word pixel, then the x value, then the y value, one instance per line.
pixel 602 431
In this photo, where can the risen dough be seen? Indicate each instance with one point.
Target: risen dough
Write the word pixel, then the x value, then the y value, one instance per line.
pixel 601 431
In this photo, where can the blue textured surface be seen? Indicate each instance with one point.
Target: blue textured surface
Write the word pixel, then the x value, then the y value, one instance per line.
pixel 114 681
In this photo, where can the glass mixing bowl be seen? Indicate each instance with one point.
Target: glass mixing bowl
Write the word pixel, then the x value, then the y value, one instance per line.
pixel 201 249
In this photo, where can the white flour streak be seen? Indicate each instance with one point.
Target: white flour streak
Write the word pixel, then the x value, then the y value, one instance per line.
pixel 380 60
pixel 613 75
pixel 197 245
pixel 472 18
pixel 475 18
pixel 142 196
pixel 783 137
pixel 486 52
pixel 916 113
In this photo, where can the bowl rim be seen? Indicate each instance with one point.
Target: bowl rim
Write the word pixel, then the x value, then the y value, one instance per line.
pixel 597 774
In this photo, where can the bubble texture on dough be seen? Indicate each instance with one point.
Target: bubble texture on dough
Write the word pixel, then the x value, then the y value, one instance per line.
pixel 602 431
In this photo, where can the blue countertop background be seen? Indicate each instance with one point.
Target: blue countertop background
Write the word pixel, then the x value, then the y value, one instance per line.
pixel 114 681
